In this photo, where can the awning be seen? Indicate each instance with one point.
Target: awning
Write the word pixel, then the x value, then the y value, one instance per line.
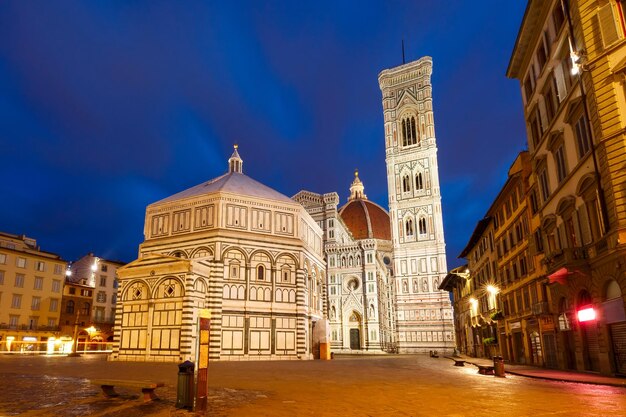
pixel 559 276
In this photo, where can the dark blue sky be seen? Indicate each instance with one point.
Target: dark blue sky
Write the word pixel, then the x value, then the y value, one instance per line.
pixel 108 106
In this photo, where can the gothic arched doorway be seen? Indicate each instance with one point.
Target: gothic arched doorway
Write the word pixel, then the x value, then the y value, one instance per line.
pixel 355 331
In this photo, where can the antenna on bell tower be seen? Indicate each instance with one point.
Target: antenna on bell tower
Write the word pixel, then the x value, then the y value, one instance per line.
pixel 403 61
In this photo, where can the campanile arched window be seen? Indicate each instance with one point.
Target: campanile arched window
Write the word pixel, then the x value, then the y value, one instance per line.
pixel 409 132
pixel 406 184
pixel 260 273
pixel 419 181
pixel 409 227
pixel 422 225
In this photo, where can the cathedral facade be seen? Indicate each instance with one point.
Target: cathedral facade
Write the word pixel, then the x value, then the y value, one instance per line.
pixel 286 278
pixel 360 288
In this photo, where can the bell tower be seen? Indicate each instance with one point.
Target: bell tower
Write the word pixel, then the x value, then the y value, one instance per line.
pixel 424 313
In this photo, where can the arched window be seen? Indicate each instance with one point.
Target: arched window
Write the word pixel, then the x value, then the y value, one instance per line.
pixel 419 181
pixel 86 309
pixel 260 273
pixel 409 227
pixel 406 183
pixel 404 135
pixel 422 226
pixel 409 132
pixel 69 307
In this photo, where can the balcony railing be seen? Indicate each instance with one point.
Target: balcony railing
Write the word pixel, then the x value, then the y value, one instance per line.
pixel 540 308
pixel 563 258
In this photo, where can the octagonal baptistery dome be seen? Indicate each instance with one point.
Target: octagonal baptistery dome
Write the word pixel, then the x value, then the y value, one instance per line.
pixel 247 253
pixel 364 219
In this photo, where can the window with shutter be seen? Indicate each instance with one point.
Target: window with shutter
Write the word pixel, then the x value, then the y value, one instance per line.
pixel 608 24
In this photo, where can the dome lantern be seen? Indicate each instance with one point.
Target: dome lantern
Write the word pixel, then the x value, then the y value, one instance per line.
pixel 235 163
pixel 357 189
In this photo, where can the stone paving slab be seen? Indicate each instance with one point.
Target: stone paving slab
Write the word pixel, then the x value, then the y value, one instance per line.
pixel 394 385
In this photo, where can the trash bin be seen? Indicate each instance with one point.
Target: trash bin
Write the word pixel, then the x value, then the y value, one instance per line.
pixel 185 390
pixel 498 366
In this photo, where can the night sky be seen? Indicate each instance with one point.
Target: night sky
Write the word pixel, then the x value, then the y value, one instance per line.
pixel 108 106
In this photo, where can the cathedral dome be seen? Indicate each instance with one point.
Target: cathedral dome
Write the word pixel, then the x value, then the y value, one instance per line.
pixel 364 219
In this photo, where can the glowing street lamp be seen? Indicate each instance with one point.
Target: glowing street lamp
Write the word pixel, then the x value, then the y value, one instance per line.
pixel 492 289
pixel 10 340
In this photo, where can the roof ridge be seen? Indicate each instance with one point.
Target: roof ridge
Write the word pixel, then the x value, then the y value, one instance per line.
pixel 370 232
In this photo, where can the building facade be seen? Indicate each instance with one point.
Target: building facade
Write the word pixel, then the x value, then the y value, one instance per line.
pixel 101 276
pixel 565 307
pixel 477 292
pixel 360 290
pixel 506 283
pixel 424 313
pixel 75 318
pixel 31 285
pixel 238 248
pixel 570 60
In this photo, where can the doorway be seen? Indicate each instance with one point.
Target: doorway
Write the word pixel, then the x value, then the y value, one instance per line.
pixel 518 348
pixel 355 339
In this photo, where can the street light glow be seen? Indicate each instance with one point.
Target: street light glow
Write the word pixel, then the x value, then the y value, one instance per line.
pixel 492 290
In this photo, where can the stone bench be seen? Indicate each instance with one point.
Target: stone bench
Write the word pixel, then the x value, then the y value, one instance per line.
pixel 458 362
pixel 147 387
pixel 485 369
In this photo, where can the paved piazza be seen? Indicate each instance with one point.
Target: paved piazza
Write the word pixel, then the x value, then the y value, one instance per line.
pixel 364 386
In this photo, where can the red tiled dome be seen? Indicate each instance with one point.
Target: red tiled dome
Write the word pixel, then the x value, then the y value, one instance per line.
pixel 366 220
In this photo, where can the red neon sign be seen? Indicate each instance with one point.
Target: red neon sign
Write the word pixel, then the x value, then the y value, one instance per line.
pixel 586 314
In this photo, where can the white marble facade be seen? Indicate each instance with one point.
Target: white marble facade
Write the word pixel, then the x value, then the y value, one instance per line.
pixel 424 313
pixel 249 254
pixel 281 275
pixel 359 287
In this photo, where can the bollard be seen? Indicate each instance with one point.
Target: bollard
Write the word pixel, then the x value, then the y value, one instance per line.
pixel 498 366
pixel 185 390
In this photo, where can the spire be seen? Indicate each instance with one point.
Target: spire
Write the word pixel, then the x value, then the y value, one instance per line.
pixel 357 188
pixel 235 163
